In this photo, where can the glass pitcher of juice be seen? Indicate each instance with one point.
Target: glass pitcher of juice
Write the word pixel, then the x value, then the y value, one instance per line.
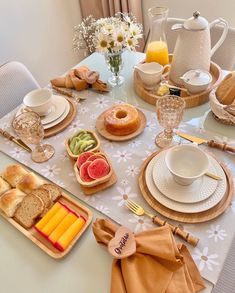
pixel 157 50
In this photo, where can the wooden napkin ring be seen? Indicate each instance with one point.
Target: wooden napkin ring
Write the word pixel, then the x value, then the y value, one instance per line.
pixel 123 244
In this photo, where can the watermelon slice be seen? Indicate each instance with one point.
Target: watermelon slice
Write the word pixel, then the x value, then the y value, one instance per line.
pixel 83 158
pixel 98 169
pixel 84 172
pixel 94 157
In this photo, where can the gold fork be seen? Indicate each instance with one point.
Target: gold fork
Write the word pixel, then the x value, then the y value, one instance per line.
pixel 139 211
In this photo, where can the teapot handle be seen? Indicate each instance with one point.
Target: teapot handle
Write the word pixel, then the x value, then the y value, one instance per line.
pixel 223 36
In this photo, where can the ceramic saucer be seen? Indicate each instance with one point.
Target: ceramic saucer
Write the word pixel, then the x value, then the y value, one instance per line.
pixel 199 190
pixel 61 118
pixel 57 109
pixel 197 207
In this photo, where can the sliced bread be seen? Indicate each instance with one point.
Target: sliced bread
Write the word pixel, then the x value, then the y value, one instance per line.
pixel 44 195
pixel 54 190
pixel 30 208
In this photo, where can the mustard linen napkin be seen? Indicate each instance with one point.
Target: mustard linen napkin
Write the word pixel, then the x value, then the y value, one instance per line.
pixel 158 266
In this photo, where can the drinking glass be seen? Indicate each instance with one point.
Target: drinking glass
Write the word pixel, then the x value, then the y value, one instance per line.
pixel 170 111
pixel 29 128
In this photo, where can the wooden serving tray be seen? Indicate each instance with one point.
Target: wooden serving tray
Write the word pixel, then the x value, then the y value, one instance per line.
pixel 102 130
pixel 186 217
pixel 64 123
pixel 42 242
pixel 190 100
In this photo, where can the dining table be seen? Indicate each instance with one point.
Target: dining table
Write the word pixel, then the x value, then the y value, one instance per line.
pixel 87 268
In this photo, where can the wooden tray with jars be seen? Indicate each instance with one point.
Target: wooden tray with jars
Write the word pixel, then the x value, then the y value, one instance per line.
pixel 190 100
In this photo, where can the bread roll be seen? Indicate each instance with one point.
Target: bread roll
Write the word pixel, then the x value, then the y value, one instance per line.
pixel 225 92
pixel 4 186
pixel 29 182
pixel 10 201
pixel 13 174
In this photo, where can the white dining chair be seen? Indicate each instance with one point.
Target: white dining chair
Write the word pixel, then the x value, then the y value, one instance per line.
pixel 15 82
pixel 224 56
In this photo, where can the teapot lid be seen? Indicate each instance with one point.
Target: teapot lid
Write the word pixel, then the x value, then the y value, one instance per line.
pixel 196 22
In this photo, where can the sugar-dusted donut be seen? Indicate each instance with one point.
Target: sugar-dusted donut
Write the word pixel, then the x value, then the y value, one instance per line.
pixel 121 119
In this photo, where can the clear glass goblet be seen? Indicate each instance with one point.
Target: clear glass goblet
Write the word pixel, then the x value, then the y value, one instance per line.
pixel 29 128
pixel 170 111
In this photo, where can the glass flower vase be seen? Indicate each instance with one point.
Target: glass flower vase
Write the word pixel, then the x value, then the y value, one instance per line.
pixel 115 65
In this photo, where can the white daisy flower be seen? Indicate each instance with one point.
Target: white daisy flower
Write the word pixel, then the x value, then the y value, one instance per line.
pixel 83 110
pixel 216 233
pixel 75 125
pixel 120 37
pixel 141 223
pixel 135 143
pixel 103 209
pixel 50 171
pixel 122 156
pixel 64 156
pixel 91 198
pixel 132 170
pixel 131 43
pixel 124 182
pixel 203 259
pixel 17 152
pixel 102 43
pixel 101 103
pixel 135 31
pixel 125 193
pixel 93 116
pixel 150 126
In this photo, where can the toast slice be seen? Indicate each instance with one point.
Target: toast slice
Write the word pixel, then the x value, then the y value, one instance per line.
pixel 31 207
pixel 54 190
pixel 44 195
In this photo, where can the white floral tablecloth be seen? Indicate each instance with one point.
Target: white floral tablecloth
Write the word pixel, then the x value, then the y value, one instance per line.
pixel 127 157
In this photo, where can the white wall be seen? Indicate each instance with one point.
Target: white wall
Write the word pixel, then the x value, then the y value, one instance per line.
pixel 39 34
pixel 211 9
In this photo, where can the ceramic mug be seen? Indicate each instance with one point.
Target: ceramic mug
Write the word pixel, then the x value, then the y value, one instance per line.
pixel 151 73
pixel 186 163
pixel 39 101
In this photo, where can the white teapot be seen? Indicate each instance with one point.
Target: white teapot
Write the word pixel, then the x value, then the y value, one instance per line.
pixel 193 45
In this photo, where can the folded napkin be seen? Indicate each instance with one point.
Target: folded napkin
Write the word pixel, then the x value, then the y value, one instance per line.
pixel 159 265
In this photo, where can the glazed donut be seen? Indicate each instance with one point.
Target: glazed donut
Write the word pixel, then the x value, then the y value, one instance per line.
pixel 121 119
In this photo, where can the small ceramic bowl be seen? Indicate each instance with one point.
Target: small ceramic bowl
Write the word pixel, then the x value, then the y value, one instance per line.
pixel 96 181
pixel 39 101
pixel 186 163
pixel 196 81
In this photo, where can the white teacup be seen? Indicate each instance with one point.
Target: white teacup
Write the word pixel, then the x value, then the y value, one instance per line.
pixel 186 163
pixel 39 101
pixel 151 73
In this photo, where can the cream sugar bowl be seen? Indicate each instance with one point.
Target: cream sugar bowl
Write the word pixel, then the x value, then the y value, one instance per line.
pixel 39 101
pixel 151 73
pixel 186 163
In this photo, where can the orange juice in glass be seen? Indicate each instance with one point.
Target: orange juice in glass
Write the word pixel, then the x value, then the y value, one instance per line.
pixel 157 51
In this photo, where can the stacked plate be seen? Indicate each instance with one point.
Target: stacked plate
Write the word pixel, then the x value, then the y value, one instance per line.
pixel 59 110
pixel 203 194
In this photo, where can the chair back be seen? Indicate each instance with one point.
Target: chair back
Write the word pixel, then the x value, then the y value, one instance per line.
pixel 15 82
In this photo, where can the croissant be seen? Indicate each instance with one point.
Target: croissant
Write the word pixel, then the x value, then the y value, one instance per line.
pixel 79 79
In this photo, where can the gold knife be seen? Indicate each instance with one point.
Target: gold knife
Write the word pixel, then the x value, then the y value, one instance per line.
pixel 15 140
pixel 210 143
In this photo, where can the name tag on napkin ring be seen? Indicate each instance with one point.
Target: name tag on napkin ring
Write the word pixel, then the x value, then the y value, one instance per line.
pixel 123 244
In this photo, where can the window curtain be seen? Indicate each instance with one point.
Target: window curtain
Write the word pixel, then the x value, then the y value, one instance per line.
pixel 106 8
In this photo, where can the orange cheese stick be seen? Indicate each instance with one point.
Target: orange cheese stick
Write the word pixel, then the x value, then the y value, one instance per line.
pixel 62 227
pixel 70 234
pixel 54 221
pixel 52 211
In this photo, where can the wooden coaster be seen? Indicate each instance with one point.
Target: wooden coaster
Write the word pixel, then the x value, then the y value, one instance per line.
pixel 186 217
pixel 102 130
pixel 190 100
pixel 64 123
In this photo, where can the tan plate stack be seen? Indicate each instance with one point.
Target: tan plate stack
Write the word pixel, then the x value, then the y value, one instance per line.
pixel 186 217
pixel 191 100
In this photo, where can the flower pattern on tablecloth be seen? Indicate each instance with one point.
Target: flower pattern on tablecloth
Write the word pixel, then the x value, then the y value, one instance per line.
pixel 216 233
pixel 126 158
pixel 204 259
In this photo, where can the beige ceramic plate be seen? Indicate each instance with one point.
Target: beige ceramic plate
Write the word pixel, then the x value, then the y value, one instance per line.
pixel 199 190
pixel 201 206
